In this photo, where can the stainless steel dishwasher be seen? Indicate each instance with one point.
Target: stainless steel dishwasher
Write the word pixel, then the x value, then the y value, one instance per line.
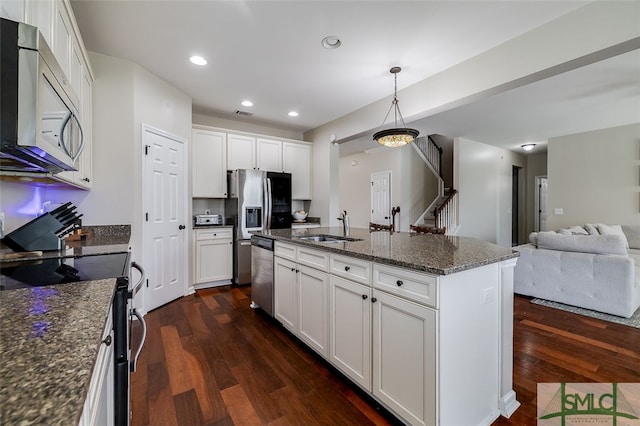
pixel 262 273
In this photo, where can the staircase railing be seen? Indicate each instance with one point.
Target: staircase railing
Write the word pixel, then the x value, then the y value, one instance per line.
pixel 432 153
pixel 446 215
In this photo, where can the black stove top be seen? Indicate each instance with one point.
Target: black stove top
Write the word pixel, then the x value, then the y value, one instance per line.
pixel 36 273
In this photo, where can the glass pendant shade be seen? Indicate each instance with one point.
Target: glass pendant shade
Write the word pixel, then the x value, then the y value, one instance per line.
pixel 397 136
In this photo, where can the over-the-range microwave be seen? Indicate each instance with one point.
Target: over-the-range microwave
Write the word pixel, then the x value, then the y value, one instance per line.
pixel 40 128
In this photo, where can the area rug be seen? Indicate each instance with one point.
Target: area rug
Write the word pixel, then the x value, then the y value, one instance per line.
pixel 634 321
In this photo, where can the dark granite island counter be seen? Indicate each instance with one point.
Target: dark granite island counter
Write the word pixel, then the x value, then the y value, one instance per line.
pixel 422 322
pixel 437 254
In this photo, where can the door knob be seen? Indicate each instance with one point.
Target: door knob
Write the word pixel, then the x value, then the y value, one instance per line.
pixel 181 227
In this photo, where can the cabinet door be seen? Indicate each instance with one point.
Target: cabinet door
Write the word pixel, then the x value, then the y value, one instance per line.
pixel 286 293
pixel 313 290
pixel 296 159
pixel 209 159
pixel 241 152
pixel 350 329
pixel 404 357
pixel 269 153
pixel 40 14
pixel 85 171
pixel 99 404
pixel 214 260
pixel 62 36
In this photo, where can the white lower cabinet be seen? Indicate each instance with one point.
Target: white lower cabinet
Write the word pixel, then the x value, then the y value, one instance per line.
pixel 302 294
pixel 403 335
pixel 314 309
pixel 99 405
pixel 286 293
pixel 350 329
pixel 214 255
pixel 404 357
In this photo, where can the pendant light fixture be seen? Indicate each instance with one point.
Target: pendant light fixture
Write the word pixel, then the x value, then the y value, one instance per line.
pixel 397 136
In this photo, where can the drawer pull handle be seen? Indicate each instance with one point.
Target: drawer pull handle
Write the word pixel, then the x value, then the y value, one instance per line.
pixel 293 269
pixel 374 300
pixel 364 297
pixel 399 283
pixel 346 268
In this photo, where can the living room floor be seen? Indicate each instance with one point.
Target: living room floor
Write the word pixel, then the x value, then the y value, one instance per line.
pixel 212 360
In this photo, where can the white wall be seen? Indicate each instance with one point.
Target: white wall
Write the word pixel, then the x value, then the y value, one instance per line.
pixel 124 96
pixel 548 50
pixel 595 177
pixel 111 201
pixel 483 176
pixel 413 186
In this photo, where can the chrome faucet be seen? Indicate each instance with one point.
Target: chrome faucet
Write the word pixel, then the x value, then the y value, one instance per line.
pixel 344 217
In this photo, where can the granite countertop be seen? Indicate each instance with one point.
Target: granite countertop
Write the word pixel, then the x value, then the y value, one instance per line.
pixel 50 337
pixel 49 340
pixel 436 254
pixel 105 239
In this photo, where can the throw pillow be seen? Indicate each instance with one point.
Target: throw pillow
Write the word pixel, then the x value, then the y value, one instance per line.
pixel 533 238
pixel 596 244
pixel 591 229
pixel 612 230
pixel 632 232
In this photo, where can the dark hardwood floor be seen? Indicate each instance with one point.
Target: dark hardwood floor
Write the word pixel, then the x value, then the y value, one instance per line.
pixel 210 359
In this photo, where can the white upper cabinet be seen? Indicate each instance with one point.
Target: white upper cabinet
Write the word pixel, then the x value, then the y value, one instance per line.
pixel 40 14
pixel 269 155
pixel 246 151
pixel 56 22
pixel 209 165
pixel 241 152
pixel 296 159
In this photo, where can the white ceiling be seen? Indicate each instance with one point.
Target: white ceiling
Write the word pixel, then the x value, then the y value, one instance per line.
pixel 270 52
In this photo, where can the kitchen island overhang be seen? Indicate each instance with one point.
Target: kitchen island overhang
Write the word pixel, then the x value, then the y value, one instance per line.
pixel 467 291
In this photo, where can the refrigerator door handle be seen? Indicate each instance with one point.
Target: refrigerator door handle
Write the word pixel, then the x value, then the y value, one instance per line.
pixel 268 202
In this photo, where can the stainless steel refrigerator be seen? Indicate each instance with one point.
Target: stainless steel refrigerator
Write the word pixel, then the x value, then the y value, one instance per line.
pixel 258 201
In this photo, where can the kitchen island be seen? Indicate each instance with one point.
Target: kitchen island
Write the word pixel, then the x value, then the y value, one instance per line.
pixel 51 336
pixel 422 322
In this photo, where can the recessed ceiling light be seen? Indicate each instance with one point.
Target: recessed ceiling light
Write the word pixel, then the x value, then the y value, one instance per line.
pixel 293 114
pixel 331 42
pixel 247 103
pixel 198 60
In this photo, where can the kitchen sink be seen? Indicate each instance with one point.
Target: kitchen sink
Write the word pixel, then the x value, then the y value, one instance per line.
pixel 322 238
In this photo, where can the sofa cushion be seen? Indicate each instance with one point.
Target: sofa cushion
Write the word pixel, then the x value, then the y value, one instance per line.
pixel 574 230
pixel 632 232
pixel 591 229
pixel 612 230
pixel 596 244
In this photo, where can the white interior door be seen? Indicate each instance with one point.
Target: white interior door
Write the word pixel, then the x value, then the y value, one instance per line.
pixel 165 210
pixel 381 197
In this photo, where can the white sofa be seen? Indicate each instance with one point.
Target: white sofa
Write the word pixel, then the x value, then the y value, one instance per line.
pixel 592 266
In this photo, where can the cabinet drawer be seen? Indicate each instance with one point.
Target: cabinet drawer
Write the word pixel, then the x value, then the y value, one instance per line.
pixel 416 286
pixel 286 251
pixel 314 258
pixel 214 234
pixel 351 268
